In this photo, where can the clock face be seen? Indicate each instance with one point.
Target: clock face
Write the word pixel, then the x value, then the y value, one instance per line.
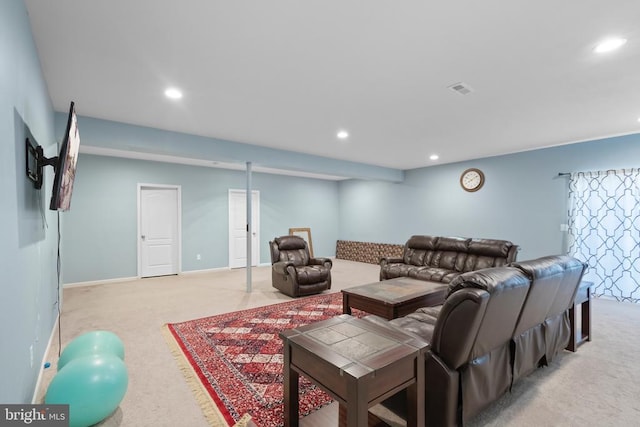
pixel 472 179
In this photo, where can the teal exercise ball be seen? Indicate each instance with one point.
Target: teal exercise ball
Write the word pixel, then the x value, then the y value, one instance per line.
pixel 95 342
pixel 93 386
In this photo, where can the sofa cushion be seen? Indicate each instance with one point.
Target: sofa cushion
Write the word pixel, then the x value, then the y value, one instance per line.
pixel 418 248
pixel 398 269
pixel 492 280
pixel 487 253
pixel 311 274
pixel 450 253
pixel 476 262
pixel 427 243
pixel 419 323
pixel 291 249
pixel 433 274
pixel 286 243
pixel 453 261
pixel 490 247
pixel 452 244
pixel 298 257
pixel 414 256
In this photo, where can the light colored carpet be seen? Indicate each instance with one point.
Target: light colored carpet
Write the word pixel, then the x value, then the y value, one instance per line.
pixel 598 385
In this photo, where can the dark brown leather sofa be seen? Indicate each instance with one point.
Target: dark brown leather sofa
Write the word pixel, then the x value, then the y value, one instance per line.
pixel 441 259
pixel 293 271
pixel 495 326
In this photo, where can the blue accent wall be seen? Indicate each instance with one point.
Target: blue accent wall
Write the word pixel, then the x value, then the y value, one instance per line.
pixel 28 230
pixel 523 198
pixel 103 214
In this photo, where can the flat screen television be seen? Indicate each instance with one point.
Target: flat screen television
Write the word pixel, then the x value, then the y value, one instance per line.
pixel 66 165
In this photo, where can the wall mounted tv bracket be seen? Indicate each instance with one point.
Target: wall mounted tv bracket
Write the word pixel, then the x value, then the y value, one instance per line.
pixel 36 161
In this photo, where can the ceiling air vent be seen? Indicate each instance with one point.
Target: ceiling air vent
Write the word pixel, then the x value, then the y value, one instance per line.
pixel 461 88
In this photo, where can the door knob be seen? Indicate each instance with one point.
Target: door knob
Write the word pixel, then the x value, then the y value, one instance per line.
pixel 143 236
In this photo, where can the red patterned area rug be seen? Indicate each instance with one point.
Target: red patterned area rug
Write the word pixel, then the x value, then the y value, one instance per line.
pixel 234 361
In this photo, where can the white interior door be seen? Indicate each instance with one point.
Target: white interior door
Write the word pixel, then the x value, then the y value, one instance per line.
pixel 158 230
pixel 238 228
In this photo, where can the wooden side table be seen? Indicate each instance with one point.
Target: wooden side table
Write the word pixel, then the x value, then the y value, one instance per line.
pixel 359 363
pixel 582 300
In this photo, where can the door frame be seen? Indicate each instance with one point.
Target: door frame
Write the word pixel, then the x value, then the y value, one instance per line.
pixel 178 189
pixel 256 248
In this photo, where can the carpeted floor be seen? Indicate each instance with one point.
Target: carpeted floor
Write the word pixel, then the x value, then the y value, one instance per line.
pixel 598 385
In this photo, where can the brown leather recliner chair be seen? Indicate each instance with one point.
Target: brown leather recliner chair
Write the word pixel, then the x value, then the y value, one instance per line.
pixel 293 271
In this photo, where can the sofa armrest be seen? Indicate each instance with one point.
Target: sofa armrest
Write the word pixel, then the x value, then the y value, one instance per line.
pixel 281 267
pixel 321 261
pixel 390 324
pixel 390 260
pixel 384 262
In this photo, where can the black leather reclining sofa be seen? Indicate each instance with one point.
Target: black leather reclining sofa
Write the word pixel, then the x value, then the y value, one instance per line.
pixel 441 259
pixel 496 325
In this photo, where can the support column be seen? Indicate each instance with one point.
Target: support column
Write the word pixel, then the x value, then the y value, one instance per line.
pixel 249 226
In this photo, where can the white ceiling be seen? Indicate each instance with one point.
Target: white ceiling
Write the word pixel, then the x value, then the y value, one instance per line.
pixel 289 74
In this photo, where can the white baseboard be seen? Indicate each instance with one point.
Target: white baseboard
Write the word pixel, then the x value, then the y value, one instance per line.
pixel 44 359
pixel 128 279
pixel 206 270
pixel 211 270
pixel 99 282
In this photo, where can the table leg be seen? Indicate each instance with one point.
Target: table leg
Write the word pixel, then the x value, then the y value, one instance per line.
pixel 290 383
pixel 415 396
pixel 346 308
pixel 572 323
pixel 357 405
pixel 586 317
pixel 583 301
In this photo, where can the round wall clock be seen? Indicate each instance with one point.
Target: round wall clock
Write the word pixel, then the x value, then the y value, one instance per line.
pixel 472 179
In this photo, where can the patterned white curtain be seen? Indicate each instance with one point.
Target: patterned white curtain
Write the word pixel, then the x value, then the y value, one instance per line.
pixel 604 230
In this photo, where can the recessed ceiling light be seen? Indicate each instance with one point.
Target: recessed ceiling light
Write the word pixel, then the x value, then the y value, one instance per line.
pixel 343 134
pixel 434 157
pixel 609 44
pixel 173 93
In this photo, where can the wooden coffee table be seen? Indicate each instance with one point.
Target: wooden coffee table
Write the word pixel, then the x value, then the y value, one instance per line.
pixel 359 363
pixel 394 297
